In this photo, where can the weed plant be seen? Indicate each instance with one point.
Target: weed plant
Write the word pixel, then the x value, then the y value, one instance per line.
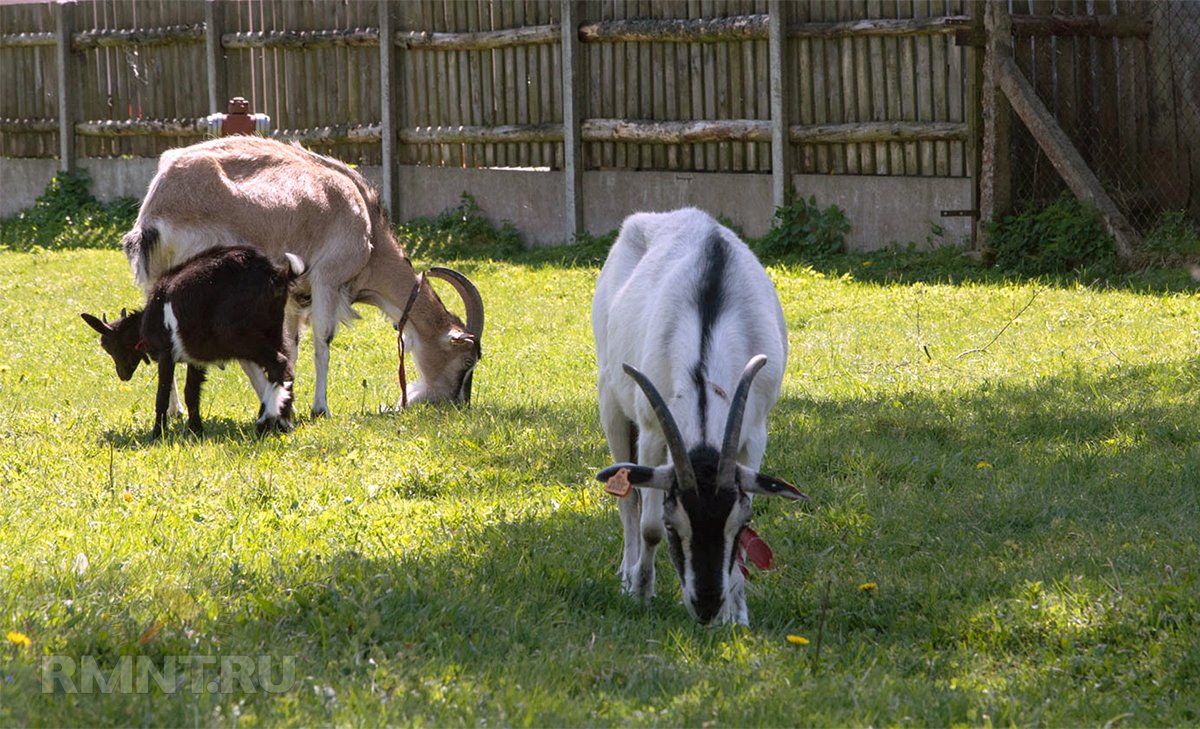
pixel 1174 235
pixel 1003 526
pixel 67 216
pixel 1064 237
pixel 803 228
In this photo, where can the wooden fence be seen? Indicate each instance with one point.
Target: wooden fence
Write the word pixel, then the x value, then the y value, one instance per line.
pixel 861 87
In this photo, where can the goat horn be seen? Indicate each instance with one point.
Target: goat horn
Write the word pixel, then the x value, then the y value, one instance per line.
pixel 679 454
pixel 470 296
pixel 104 317
pixel 727 466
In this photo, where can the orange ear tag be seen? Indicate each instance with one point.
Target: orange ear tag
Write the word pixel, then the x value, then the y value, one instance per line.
pixel 618 484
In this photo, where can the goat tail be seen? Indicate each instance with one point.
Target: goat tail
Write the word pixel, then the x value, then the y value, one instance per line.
pixel 139 244
pixel 296 266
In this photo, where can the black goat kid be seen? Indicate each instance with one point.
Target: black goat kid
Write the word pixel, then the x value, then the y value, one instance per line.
pixel 223 304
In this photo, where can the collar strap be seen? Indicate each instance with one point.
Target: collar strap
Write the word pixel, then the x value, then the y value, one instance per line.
pixel 412 299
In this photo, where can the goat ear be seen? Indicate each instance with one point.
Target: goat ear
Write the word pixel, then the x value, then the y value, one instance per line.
pixel 642 476
pixel 96 324
pixel 461 337
pixel 760 483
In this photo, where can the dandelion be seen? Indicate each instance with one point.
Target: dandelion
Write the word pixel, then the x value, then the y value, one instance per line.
pixel 18 638
pixel 797 640
pixel 126 496
pixel 867 587
pixel 983 465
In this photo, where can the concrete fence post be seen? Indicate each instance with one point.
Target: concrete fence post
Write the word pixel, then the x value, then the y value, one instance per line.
pixel 781 157
pixel 389 103
pixel 68 84
pixel 572 110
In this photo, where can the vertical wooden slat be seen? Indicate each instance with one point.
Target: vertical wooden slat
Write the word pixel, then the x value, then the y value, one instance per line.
pixel 877 103
pixel 956 86
pixel 712 94
pixel 908 88
pixel 939 93
pixel 805 106
pixel 653 89
pixel 508 69
pixel 726 157
pixel 469 17
pixel 552 57
pixel 849 84
pixel 620 94
pixel 521 86
pixel 925 89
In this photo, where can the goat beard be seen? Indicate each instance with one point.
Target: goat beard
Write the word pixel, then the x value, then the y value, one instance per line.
pixel 753 548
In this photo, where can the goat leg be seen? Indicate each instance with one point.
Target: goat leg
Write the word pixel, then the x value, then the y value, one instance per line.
pixel 191 396
pixel 162 399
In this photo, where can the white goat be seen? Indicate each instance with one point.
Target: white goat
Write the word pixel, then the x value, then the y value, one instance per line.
pixel 684 308
pixel 281 197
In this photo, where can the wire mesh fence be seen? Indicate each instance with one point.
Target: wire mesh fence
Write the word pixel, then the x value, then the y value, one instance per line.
pixel 1127 94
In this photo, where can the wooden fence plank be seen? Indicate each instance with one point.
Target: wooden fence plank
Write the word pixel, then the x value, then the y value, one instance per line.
pixel 925 90
pixel 939 92
pixel 908 89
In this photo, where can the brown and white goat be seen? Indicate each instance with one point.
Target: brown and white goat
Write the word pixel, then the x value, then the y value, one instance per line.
pixel 281 197
pixel 683 307
pixel 225 303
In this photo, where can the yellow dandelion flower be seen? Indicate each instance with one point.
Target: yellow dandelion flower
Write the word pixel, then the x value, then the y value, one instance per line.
pixel 797 640
pixel 18 638
pixel 983 465
pixel 867 587
pixel 126 496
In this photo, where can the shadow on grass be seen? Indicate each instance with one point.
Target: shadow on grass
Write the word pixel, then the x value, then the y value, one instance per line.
pixel 983 517
pixel 216 429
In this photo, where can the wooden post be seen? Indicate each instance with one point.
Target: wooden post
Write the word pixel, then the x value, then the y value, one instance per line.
pixel 572 122
pixel 389 102
pixel 995 178
pixel 68 84
pixel 974 146
pixel 214 55
pixel 781 157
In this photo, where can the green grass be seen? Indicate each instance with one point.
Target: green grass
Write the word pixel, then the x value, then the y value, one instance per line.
pixel 1028 513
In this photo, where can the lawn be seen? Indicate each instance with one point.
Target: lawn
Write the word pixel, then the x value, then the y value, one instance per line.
pixel 1003 525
